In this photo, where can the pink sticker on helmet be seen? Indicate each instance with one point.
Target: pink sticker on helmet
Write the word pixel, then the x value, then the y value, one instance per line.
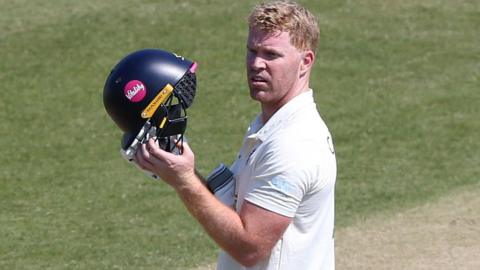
pixel 135 90
pixel 193 68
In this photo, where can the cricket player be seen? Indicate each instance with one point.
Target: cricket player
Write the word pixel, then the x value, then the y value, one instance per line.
pixel 282 215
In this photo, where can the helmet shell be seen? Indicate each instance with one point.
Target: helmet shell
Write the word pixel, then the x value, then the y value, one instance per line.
pixel 136 80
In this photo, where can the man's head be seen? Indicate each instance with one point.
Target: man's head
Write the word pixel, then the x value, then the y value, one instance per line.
pixel 280 53
pixel 286 16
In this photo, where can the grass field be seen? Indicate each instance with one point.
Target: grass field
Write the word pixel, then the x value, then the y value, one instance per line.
pixel 396 81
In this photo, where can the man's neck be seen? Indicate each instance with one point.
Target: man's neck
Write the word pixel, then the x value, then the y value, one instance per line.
pixel 268 110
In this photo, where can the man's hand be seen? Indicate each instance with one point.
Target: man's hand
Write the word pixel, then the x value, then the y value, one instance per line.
pixel 175 170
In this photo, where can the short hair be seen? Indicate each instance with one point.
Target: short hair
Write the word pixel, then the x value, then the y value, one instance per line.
pixel 287 16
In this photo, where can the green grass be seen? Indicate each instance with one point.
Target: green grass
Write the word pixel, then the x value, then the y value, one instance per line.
pixel 396 81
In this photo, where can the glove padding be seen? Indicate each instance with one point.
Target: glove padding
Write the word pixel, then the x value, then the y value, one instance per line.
pixel 221 183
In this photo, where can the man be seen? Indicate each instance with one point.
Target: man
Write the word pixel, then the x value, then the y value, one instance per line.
pixel 285 173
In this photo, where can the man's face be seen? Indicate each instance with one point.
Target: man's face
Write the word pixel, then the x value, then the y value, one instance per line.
pixel 273 66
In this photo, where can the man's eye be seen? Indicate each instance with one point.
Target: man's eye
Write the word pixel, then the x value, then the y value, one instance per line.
pixel 272 54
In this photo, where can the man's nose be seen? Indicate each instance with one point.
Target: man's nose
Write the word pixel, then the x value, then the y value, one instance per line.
pixel 256 63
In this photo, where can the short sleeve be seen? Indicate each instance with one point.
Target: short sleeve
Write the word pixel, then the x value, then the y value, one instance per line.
pixel 277 184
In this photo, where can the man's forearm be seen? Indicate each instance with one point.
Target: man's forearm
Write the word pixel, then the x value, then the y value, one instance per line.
pixel 221 222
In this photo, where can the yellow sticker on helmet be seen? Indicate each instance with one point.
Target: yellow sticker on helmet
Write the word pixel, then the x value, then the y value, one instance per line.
pixel 163 122
pixel 157 101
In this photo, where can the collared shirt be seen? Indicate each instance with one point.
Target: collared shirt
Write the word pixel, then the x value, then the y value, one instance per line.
pixel 288 166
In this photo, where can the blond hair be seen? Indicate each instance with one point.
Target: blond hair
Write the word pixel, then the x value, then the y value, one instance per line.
pixel 287 16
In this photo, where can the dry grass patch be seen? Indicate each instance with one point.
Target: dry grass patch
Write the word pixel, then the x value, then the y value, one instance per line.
pixel 444 234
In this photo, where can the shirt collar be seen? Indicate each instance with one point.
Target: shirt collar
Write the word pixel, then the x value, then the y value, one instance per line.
pixel 259 131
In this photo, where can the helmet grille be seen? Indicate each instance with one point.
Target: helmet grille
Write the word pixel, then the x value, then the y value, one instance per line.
pixel 185 89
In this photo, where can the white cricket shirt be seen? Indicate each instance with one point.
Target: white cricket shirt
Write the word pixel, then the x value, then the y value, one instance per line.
pixel 288 166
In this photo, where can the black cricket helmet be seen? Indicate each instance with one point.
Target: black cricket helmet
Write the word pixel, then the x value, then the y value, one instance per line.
pixel 150 88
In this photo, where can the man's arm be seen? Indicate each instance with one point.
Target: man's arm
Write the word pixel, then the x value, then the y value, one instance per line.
pixel 248 236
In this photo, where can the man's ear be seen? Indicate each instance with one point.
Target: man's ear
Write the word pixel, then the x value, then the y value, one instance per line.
pixel 307 62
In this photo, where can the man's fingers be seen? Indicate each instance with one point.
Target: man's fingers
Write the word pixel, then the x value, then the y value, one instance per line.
pixel 186 149
pixel 142 158
pixel 155 150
